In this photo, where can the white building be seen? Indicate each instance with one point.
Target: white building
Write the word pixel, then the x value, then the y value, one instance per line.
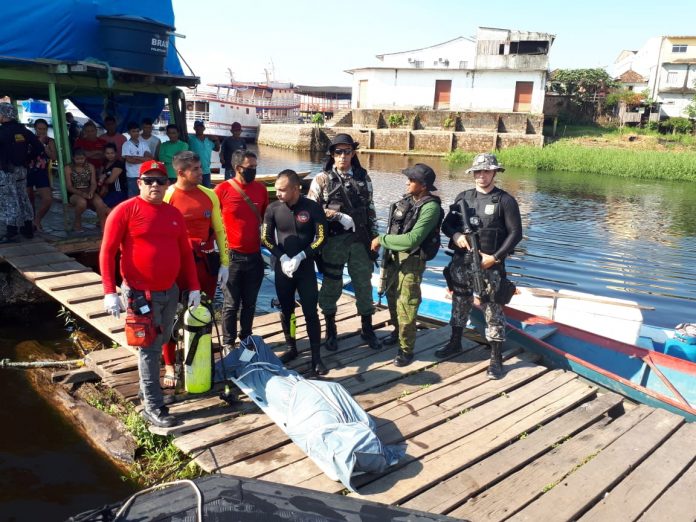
pixel 669 64
pixel 500 71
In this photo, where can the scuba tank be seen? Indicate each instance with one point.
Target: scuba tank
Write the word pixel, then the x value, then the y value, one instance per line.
pixel 198 370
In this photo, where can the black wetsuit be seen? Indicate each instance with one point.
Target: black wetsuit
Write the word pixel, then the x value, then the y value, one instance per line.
pixel 291 230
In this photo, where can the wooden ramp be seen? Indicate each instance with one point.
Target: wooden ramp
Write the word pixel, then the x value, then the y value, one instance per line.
pixel 539 444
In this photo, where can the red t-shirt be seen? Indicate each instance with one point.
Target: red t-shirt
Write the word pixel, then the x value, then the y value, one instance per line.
pixel 89 146
pixel 197 209
pixel 117 139
pixel 241 224
pixel 154 247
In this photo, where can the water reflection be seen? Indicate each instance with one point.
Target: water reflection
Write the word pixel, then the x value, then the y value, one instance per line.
pixel 610 236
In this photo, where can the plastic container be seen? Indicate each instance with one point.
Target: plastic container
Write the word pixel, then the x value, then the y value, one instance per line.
pixel 136 43
pixel 681 349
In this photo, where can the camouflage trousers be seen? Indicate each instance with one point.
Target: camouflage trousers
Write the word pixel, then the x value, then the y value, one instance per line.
pixel 337 252
pixel 463 300
pixel 15 208
pixel 404 278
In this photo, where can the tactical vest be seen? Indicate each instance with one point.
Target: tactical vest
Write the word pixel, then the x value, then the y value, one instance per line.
pixel 404 218
pixel 349 196
pixel 492 231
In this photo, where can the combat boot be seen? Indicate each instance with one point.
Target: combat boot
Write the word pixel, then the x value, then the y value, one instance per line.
pixel 368 333
pixel 454 345
pixel 331 343
pixel 495 366
pixel 291 352
pixel 318 368
pixel 393 336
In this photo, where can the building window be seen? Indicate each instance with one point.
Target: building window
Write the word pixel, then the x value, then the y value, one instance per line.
pixel 672 78
pixel 679 48
pixel 463 64
pixel 418 64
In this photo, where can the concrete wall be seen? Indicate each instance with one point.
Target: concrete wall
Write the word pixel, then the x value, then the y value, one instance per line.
pixel 290 136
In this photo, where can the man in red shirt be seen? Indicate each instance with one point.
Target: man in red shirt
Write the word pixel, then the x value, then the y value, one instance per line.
pixel 243 202
pixel 154 247
pixel 201 210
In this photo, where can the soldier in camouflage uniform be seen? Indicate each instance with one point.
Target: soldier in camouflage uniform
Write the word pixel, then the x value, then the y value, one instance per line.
pixel 499 231
pixel 413 238
pixel 344 190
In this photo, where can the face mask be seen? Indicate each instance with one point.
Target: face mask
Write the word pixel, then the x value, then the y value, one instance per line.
pixel 249 174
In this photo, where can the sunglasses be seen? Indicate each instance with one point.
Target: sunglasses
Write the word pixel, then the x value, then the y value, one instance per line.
pixel 159 181
pixel 342 152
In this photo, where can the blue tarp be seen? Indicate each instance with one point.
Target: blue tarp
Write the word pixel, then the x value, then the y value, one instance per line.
pixel 320 417
pixel 69 30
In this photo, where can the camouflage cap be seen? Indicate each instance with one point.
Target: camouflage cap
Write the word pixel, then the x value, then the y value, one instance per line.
pixel 485 162
pixel 8 110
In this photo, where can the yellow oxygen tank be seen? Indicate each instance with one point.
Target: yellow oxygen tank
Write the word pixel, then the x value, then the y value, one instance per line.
pixel 198 326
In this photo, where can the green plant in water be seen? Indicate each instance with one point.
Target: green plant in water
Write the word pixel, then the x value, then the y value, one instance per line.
pixel 396 120
pixel 318 119
pixel 458 157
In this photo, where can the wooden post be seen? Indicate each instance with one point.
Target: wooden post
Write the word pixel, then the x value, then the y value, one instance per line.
pixel 61 138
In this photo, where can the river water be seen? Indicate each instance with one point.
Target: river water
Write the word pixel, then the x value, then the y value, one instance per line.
pixel 613 237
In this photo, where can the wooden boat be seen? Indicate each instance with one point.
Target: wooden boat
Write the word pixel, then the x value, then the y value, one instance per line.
pixel 269 180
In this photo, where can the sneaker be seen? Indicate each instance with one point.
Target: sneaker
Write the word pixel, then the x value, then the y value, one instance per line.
pixel 159 417
pixel 403 358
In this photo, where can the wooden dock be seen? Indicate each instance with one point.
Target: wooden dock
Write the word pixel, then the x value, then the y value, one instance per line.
pixel 539 444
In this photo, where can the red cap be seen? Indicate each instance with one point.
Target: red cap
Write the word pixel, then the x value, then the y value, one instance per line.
pixel 150 165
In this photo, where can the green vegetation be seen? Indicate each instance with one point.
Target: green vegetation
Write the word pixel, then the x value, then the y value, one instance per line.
pixel 581 85
pixel 318 119
pixel 396 120
pixel 448 123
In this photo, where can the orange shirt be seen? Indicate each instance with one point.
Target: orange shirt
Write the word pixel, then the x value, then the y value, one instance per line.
pixel 197 209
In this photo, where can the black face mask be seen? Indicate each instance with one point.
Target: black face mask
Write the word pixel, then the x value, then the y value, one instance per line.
pixel 249 174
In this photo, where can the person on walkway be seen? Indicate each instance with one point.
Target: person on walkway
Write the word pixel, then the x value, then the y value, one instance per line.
pixel 344 191
pixel 167 150
pixel 229 145
pixel 134 153
pixel 18 147
pixel 201 210
pixel 38 174
pixel 204 147
pixel 81 184
pixel 499 230
pixel 152 141
pixel 92 145
pixel 154 246
pixel 74 129
pixel 294 230
pixel 243 203
pixel 112 184
pixel 412 238
pixel 112 135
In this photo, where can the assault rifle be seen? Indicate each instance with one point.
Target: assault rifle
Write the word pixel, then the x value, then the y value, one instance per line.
pixel 383 287
pixel 477 275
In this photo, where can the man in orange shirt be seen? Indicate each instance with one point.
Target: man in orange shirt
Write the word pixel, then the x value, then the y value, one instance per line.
pixel 201 210
pixel 243 202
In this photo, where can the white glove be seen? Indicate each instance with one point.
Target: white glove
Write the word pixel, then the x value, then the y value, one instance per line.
pixel 285 264
pixel 223 275
pixel 113 305
pixel 294 264
pixel 347 222
pixel 194 299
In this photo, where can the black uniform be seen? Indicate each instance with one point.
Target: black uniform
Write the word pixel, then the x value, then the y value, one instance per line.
pixel 291 230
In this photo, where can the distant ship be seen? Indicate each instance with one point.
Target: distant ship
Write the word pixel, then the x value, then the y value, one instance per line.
pixel 248 103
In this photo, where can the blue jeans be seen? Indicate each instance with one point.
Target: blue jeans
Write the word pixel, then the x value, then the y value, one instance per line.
pixel 241 291
pixel 133 189
pixel 149 357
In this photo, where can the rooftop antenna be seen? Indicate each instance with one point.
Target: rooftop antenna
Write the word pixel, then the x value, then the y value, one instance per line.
pixel 230 74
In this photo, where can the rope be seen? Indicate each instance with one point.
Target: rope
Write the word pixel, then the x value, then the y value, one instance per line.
pixel 6 363
pixel 199 497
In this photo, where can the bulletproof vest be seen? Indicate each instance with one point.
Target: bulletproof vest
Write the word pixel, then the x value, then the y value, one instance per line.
pixel 492 231
pixel 348 196
pixel 18 150
pixel 404 218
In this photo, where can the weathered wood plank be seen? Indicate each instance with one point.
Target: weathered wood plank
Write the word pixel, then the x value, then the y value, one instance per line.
pixel 646 483
pixel 452 492
pixel 37 274
pixel 602 472
pixel 39 260
pixel 10 251
pixel 678 503
pixel 522 487
pixel 70 281
pixel 195 420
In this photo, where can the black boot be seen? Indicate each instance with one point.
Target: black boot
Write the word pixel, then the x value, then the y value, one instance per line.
pixel 454 345
pixel 495 367
pixel 291 352
pixel 368 333
pixel 11 235
pixel 331 343
pixel 318 368
pixel 27 229
pixel 393 336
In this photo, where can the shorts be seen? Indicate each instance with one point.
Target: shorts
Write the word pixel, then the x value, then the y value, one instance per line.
pixel 37 178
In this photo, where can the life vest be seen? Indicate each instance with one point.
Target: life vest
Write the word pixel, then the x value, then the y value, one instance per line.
pixel 492 231
pixel 349 195
pixel 404 218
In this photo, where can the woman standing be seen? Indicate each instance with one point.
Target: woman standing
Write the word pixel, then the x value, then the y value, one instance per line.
pixel 38 174
pixel 81 182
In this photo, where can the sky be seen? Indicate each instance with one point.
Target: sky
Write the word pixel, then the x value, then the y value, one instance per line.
pixel 309 42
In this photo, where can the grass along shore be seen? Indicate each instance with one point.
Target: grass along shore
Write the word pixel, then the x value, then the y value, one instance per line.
pixel 642 155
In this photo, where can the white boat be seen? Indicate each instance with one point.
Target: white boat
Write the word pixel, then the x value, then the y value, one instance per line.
pixel 32 110
pixel 248 103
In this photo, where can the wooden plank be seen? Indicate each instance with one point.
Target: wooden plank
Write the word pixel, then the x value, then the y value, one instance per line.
pixel 196 420
pixel 79 280
pixel 39 260
pixel 452 492
pixel 678 503
pixel 100 357
pixel 74 376
pixel 10 251
pixel 602 472
pixel 521 488
pixel 87 297
pixel 55 270
pixel 229 430
pixel 648 481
